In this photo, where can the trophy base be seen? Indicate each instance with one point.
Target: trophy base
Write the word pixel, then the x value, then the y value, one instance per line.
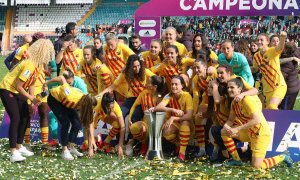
pixel 153 154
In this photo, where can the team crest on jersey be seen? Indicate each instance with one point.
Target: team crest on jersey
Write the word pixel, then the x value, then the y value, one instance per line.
pixel 77 55
pixel 18 51
pixel 118 53
pixel 167 96
pixel 67 91
pixel 26 74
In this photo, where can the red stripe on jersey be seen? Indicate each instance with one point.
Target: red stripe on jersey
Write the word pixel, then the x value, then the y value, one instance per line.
pixel 202 84
pixel 133 87
pixel 75 60
pixel 264 69
pixel 63 100
pixel 104 74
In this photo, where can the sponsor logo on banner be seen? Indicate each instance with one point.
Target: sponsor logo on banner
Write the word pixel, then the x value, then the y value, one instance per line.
pixel 147 23
pixel 147 33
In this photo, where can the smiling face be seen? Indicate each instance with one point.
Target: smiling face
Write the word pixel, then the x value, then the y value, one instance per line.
pixel 172 56
pixel 155 48
pixel 170 35
pixel 263 42
pixel 176 86
pixel 200 69
pixel 233 89
pixel 253 47
pixel 223 75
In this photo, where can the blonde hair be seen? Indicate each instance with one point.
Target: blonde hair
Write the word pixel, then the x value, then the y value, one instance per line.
pixel 41 51
pixel 110 36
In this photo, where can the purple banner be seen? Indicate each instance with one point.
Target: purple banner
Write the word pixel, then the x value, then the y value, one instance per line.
pixel 147 28
pixel 285 127
pixel 219 8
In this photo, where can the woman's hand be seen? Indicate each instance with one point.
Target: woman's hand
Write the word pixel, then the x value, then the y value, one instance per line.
pixel 169 122
pixel 178 112
pixel 239 97
pixel 92 150
pixel 91 153
pixel 152 109
pixel 36 101
pixel 233 132
pixel 120 152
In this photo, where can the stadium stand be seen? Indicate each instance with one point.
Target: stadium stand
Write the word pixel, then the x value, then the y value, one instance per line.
pixel 47 18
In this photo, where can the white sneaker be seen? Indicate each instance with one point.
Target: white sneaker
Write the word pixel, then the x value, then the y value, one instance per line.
pixel 74 152
pixel 129 148
pixel 66 155
pixel 16 157
pixel 24 152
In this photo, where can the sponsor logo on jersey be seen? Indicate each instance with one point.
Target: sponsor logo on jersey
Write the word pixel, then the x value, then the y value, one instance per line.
pixel 27 73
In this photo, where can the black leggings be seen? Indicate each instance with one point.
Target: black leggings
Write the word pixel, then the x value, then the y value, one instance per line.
pixel 65 116
pixel 17 110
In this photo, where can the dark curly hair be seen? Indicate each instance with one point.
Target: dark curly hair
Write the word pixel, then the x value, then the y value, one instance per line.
pixel 129 74
pixel 204 44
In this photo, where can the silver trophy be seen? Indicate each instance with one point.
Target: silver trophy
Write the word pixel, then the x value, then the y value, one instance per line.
pixel 155 124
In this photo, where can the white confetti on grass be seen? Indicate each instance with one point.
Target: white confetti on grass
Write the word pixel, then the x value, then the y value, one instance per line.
pixel 120 170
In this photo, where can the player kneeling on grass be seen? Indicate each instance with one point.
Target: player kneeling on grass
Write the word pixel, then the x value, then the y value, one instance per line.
pixel 179 119
pixel 109 111
pixel 251 127
pixel 64 101
pixel 148 98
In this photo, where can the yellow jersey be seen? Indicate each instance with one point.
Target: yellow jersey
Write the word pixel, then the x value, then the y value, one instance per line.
pixel 168 71
pixel 136 86
pixel 100 114
pixel 200 87
pixel 269 66
pixel 146 99
pixel 104 78
pixel 26 71
pixel 244 111
pixel 22 52
pixel 148 61
pixel 90 72
pixel 223 111
pixel 213 58
pixel 116 60
pixel 72 61
pixel 67 95
pixel 184 103
pixel 41 79
pixel 181 49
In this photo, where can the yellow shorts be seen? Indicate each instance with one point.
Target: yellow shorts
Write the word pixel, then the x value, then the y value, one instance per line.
pixel 279 93
pixel 177 125
pixel 259 141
